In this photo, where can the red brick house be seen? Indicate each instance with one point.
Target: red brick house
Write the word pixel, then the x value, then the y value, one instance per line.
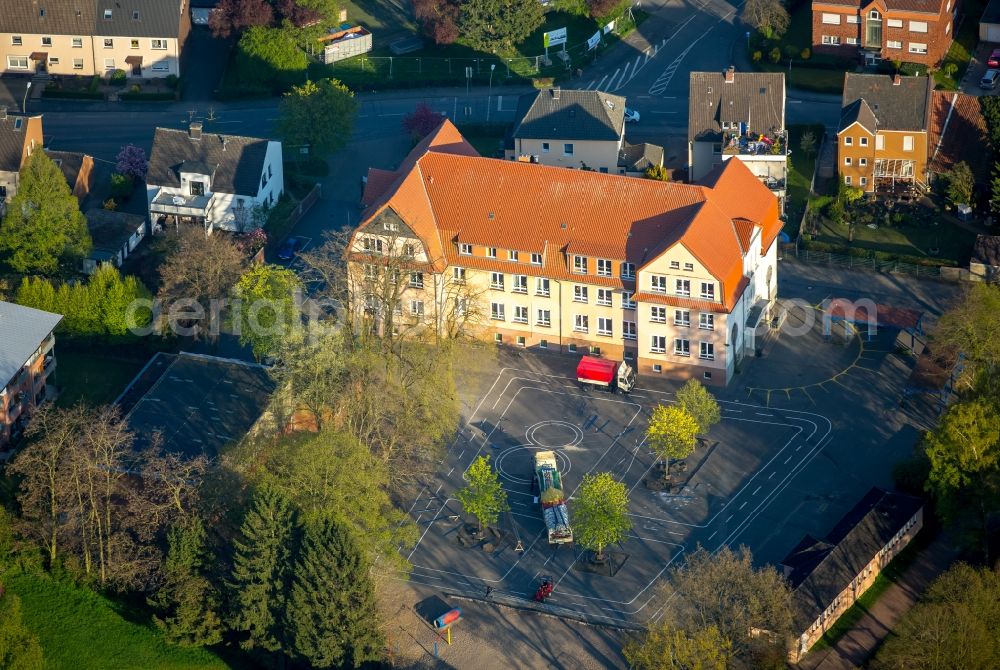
pixel 912 31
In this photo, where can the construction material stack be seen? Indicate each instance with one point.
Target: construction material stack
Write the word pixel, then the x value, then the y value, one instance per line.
pixel 552 498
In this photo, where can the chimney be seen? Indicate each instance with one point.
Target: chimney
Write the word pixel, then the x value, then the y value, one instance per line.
pixel 224 140
pixel 3 113
pixel 194 130
pixel 731 74
pixel 555 93
pixel 896 80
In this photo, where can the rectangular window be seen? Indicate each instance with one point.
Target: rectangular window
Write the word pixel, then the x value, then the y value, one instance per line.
pixel 918 26
pixel 158 44
pixel 77 63
pixel 682 287
pixel 689 267
pixel 107 14
pixel 580 264
pixel 847 180
pixel 579 293
pixel 77 42
pixel 627 301
pixel 706 321
pixel 604 326
pixel 675 265
pixel 109 43
pixel 571 348
pixel 16 40
pixel 658 314
pixel 543 318
pixel 894 23
pixel 847 160
pixel 657 368
pixel 880 142
pixel 831 19
pixel 416 308
pixel 458 274
pixel 848 141
pixel 581 323
pixel 520 314
pixel 893 44
pixel 17 62
pixel 852 40
pixel 832 40
pixel 416 280
pixel 908 143
pixel 372 244
pixel 707 351
pixel 371 272
pixel 604 297
pixel 465 249
pixel 545 147
pixel 864 181
pixel 682 317
pixel 628 330
pixel 496 281
pixel 567 149
pixel 543 344
pixel 109 63
pixel 53 61
pixel 917 48
pixel 491 252
pixel 853 18
pixel 628 270
pixel 708 290
pixel 512 255
pixel 46 41
pixel 497 311
pixel 520 284
pixel 164 66
pixel 520 340
pixel 862 162
pixel 603 267
pixel 682 347
pixel 409 250
pixel 134 44
pixel 536 259
pixel 657 283
pixel 658 344
pixel 864 141
pixel 461 306
pixel 542 286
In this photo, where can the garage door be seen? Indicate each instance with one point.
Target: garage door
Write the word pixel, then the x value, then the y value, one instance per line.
pixel 992 32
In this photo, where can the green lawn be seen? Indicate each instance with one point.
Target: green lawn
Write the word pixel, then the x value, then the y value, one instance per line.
pixel 953 244
pixel 379 16
pixel 80 629
pixel 819 72
pixel 800 171
pixel 961 50
pixel 91 377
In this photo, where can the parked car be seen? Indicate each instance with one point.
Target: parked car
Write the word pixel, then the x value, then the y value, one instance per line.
pixel 289 248
pixel 989 80
pixel 994 59
pixel 631 116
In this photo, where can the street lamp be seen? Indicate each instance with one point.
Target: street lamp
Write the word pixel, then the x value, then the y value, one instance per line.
pixel 493 66
pixel 24 103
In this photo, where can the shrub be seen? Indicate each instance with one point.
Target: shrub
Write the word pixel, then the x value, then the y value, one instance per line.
pixel 95 83
pixel 806 53
pixel 171 81
pixel 775 55
pixel 135 88
pixel 118 78
pixel 757 56
pixel 110 204
pixel 121 186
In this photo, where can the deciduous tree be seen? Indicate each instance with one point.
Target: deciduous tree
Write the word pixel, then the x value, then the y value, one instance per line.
pixel 333 620
pixel 271 57
pixel 672 433
pixel 697 401
pixel 269 298
pixel 484 497
pixel 317 115
pixel 43 226
pixel 972 329
pixel 421 122
pixel 961 183
pixel 438 18
pixel 497 26
pixel 599 513
pixel 807 142
pixel 657 172
pixel 234 16
pixel 769 17
pixel 663 647
pixel 131 162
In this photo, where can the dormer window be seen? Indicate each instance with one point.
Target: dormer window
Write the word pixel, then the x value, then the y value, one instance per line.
pixel 197 187
pixel 107 14
pixel 135 15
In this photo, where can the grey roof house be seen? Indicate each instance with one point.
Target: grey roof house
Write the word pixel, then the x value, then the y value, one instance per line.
pixel 26 360
pixel 212 180
pixel 19 135
pixel 738 115
pixel 575 129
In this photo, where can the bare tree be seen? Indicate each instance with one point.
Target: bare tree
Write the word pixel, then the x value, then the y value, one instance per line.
pixel 769 17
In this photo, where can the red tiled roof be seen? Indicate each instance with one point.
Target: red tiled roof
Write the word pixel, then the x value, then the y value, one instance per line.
pixel 885 315
pixel 378 182
pixel 445 193
pixel 957 132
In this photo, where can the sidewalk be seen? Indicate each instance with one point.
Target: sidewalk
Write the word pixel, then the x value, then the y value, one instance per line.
pixel 859 643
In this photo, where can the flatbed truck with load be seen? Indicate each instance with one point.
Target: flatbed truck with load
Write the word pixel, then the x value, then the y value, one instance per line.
pixel 606 374
pixel 552 498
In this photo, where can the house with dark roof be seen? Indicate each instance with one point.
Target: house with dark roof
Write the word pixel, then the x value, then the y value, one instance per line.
pixel 114 236
pixel 78 168
pixel 883 135
pixel 666 275
pixel 19 136
pixel 26 363
pixel 214 181
pixel 576 129
pixel 828 575
pixel 738 115
pixel 914 31
pixel 144 38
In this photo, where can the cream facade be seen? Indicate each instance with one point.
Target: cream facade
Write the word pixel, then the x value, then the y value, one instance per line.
pixel 598 155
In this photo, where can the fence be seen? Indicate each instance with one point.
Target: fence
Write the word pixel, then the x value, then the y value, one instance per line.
pixel 278 231
pixel 862 263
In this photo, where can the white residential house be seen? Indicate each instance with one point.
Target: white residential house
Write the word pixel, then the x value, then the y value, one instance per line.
pixel 211 180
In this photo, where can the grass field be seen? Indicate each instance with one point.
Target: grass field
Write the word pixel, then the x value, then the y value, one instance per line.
pixel 80 629
pixel 951 243
pixel 91 377
pixel 800 171
pixel 961 50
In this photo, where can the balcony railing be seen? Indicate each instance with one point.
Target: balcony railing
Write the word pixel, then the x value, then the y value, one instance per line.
pixel 753 144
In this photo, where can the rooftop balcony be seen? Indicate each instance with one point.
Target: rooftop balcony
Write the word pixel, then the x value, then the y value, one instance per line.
pixel 754 144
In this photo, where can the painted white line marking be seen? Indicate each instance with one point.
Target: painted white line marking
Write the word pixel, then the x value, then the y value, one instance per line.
pixel 788 459
pixel 713 535
pixel 450 471
pixel 743 505
pixel 756 490
pixel 771 475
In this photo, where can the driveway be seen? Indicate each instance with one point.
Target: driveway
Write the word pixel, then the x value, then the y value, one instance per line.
pixel 205 59
pixel 977 66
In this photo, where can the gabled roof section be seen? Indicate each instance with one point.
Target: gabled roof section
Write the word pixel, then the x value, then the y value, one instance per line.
pixel 928 6
pixel 956 125
pixel 744 232
pixel 129 18
pixel 756 98
pixel 22 330
pixel 13 134
pixel 902 106
pixel 742 198
pixel 639 157
pixel 235 162
pixel 860 113
pixel 139 18
pixel 560 114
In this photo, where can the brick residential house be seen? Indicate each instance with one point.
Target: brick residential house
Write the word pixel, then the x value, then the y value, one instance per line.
pixel 828 575
pixel 26 361
pixel 672 277
pixel 19 136
pixel 912 31
pixel 883 135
